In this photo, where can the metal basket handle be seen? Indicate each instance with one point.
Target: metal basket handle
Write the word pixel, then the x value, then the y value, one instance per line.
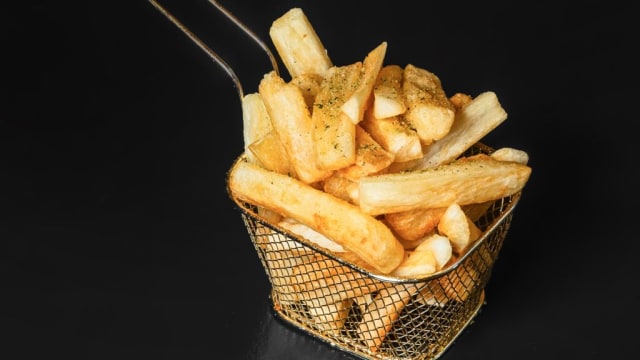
pixel 212 54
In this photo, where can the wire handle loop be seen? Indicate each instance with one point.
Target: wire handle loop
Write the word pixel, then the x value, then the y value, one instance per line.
pixel 212 54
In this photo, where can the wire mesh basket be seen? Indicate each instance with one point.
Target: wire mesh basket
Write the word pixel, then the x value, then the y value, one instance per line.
pixel 369 315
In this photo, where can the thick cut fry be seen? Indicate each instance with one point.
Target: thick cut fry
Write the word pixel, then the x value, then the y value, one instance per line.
pixel 440 246
pixel 311 235
pixel 255 122
pixel 334 135
pixel 385 309
pixel 330 318
pixel 337 219
pixel 416 264
pixel 511 154
pixel 459 284
pixel 387 93
pixel 271 154
pixel 475 120
pixel 309 85
pixel 324 281
pixel 458 228
pixel 361 98
pixel 292 123
pixel 370 157
pixel 466 181
pixel 414 224
pixel 395 135
pixel 298 44
pixel 341 187
pixel 428 108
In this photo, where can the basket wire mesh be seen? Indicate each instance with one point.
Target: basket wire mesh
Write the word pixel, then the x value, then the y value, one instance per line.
pixel 370 315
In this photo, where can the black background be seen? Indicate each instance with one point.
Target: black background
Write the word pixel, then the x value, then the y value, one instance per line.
pixel 118 239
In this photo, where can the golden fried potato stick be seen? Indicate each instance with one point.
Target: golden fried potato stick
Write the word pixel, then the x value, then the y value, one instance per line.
pixel 334 135
pixel 329 318
pixel 255 122
pixel 413 225
pixel 395 135
pixel 428 108
pixel 337 219
pixel 362 97
pixel 458 228
pixel 387 93
pixel 326 281
pixel 440 246
pixel 511 154
pixel 466 181
pixel 416 264
pixel 311 235
pixel 309 85
pixel 271 154
pixel 292 123
pixel 298 44
pixel 370 157
pixel 341 187
pixel 380 315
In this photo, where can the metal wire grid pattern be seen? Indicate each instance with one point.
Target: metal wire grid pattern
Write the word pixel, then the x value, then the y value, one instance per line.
pixel 369 315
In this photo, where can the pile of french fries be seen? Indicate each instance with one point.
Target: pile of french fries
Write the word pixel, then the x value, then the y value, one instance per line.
pixel 369 155
pixel 366 160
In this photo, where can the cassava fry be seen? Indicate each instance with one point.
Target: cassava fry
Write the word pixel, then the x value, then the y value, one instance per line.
pixel 309 85
pixel 395 135
pixel 325 281
pixel 416 264
pixel 412 225
pixel 337 219
pixel 330 318
pixel 428 108
pixel 311 235
pixel 385 309
pixel 255 122
pixel 466 181
pixel 361 98
pixel 440 246
pixel 387 93
pixel 298 44
pixel 511 154
pixel 292 123
pixel 341 187
pixel 370 157
pixel 334 135
pixel 458 228
pixel 271 153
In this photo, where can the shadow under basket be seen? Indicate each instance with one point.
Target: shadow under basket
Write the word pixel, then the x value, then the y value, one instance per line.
pixel 369 315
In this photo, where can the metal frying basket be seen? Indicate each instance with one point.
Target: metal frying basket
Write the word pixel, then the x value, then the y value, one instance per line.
pixel 370 315
pixel 362 313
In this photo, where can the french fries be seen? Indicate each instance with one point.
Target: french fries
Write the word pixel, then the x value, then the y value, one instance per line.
pixel 292 123
pixel 467 181
pixel 428 108
pixel 299 45
pixel 387 93
pixel 334 134
pixel 366 161
pixel 361 97
pixel 458 228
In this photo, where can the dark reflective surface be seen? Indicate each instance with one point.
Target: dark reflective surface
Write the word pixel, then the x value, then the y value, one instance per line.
pixel 116 133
